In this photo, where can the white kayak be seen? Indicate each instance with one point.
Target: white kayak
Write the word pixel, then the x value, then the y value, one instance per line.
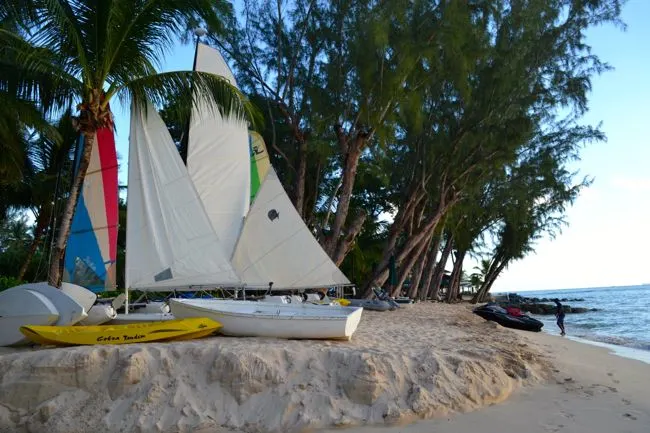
pixel 23 307
pixel 264 319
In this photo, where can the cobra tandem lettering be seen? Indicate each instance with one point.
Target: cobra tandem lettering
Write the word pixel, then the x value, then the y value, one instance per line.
pixel 122 338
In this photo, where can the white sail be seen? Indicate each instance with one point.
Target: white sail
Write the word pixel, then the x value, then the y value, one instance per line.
pixel 218 158
pixel 170 243
pixel 276 245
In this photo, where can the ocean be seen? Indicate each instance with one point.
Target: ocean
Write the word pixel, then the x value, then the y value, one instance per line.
pixel 622 322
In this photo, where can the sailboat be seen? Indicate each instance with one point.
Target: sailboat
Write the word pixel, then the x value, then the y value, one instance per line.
pixel 271 241
pixel 177 216
pixel 89 258
pixel 91 251
pixel 171 245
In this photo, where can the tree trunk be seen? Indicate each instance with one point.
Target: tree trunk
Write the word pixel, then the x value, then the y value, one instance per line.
pixel 415 255
pixel 454 282
pixel 352 157
pixel 430 267
pixel 437 215
pixel 55 275
pixel 491 281
pixel 346 242
pixel 39 231
pixel 301 178
pixel 410 244
pixel 328 214
pixel 403 214
pixel 416 276
pixel 440 268
pixel 480 294
pixel 310 203
pixel 419 269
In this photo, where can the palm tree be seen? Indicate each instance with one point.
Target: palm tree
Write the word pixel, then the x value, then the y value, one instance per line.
pixel 48 160
pixel 480 273
pixel 98 50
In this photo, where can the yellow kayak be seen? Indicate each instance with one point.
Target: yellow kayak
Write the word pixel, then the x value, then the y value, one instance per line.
pixel 181 329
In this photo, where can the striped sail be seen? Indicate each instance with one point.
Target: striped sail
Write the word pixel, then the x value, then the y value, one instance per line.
pixel 91 251
pixel 260 162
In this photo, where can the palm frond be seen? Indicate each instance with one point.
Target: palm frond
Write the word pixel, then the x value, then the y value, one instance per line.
pixel 189 88
pixel 35 73
pixel 140 35
pixel 60 30
pixel 19 119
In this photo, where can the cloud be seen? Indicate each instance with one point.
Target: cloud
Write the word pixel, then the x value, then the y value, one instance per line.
pixel 590 194
pixel 631 183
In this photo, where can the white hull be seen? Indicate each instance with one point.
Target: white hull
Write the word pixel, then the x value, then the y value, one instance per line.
pixel 262 319
pixel 83 296
pixel 126 319
pixel 23 307
pixel 70 311
pixel 150 307
pixel 99 314
pixel 285 299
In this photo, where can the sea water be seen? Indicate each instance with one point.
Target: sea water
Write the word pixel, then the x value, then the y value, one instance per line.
pixel 622 322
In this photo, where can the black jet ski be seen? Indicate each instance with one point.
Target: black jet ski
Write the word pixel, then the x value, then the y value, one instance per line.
pixel 510 317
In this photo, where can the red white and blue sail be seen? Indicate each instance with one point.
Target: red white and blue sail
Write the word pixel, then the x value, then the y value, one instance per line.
pixel 91 251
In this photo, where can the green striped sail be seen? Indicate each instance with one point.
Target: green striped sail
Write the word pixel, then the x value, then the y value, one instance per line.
pixel 260 162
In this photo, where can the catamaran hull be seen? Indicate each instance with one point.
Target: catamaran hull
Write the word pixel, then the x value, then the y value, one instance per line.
pixel 274 320
pixel 99 314
pixel 132 318
pixel 20 307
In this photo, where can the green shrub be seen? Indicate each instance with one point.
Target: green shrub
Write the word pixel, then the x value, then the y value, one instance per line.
pixel 7 282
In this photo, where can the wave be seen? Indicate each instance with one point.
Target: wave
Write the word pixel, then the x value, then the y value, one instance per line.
pixel 616 340
pixel 589 325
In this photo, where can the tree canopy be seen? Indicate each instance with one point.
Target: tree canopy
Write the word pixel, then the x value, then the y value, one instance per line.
pixel 404 132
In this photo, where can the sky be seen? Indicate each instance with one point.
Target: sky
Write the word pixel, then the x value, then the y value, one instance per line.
pixel 607 240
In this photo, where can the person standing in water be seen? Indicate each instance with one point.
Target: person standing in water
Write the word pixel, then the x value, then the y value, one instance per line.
pixel 559 314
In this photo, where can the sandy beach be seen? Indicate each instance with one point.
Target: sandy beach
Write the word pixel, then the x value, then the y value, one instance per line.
pixel 591 391
pixel 426 362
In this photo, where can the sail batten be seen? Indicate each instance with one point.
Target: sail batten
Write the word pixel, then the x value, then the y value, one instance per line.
pixel 217 157
pixel 171 244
